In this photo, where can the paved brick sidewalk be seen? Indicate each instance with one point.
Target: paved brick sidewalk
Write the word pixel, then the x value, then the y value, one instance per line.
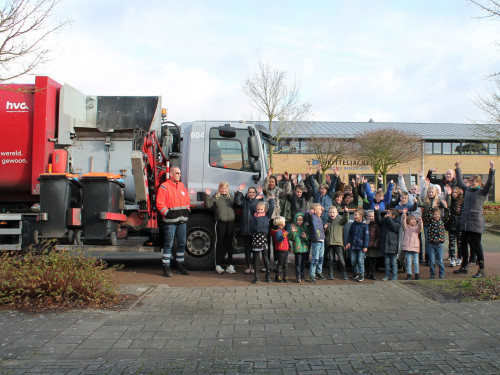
pixel 377 328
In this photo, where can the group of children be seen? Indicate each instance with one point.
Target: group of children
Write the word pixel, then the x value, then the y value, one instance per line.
pixel 309 222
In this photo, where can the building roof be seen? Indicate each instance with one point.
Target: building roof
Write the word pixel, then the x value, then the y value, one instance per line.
pixel 428 131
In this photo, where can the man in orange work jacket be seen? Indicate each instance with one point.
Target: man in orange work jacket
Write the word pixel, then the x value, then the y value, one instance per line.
pixel 173 204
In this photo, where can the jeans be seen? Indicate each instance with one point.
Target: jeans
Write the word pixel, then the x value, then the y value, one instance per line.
pixel 411 257
pixel 172 231
pixel 300 263
pixel 391 264
pixel 358 262
pixel 436 254
pixel 318 253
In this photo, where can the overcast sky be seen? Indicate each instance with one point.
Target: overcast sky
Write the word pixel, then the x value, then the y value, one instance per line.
pixel 411 60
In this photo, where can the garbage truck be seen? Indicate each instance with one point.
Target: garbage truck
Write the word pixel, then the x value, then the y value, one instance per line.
pixel 85 169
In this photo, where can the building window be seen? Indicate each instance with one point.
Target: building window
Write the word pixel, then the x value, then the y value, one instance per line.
pixel 447 148
pixel 493 149
pixel 437 148
pixel 456 148
pixel 428 147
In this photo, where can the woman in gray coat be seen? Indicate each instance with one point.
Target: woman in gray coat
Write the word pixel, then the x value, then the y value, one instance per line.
pixel 472 217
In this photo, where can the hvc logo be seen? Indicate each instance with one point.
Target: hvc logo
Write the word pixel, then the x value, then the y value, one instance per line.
pixel 16 107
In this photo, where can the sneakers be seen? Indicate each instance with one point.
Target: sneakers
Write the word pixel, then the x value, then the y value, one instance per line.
pixel 433 277
pixel 459 261
pixel 360 278
pixel 312 279
pixel 441 277
pixel 479 274
pixel 247 271
pixel 230 269
pixel 452 263
pixel 182 270
pixel 298 279
pixel 371 276
pixel 461 270
pixel 285 279
pixel 219 269
pixel 166 271
pixel 408 277
pixel 385 278
pixel 417 276
pixel 344 276
pixel 320 276
pixel 355 277
pixel 330 276
pixel 278 279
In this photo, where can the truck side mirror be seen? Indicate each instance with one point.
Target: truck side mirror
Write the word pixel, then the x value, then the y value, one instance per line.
pixel 253 147
pixel 256 167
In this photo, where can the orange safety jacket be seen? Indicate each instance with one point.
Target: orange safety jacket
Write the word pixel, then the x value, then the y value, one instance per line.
pixel 173 202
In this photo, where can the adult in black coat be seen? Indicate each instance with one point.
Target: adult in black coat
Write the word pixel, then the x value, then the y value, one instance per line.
pixel 472 216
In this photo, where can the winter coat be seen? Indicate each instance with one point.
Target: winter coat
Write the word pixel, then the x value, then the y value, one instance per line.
pixel 280 239
pixel 300 244
pixel 359 236
pixel 324 200
pixel 472 216
pixel 316 232
pixel 389 233
pixel 261 224
pixel 374 234
pixel 442 182
pixel 435 232
pixel 453 223
pixel 385 202
pixel 334 233
pixel 223 207
pixel 277 193
pixel 410 237
pixel 248 207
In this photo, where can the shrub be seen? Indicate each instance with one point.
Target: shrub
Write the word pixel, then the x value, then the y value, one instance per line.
pixel 50 278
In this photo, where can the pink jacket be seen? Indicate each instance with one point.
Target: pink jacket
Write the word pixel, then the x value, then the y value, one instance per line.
pixel 410 236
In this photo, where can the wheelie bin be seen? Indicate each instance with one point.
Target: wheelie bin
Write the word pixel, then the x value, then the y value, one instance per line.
pixel 60 203
pixel 103 200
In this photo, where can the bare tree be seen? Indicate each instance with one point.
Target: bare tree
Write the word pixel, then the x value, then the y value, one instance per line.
pixel 492 7
pixel 491 107
pixel 384 149
pixel 328 151
pixel 24 27
pixel 278 99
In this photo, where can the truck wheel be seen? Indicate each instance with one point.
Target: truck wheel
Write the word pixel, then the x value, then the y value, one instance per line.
pixel 200 243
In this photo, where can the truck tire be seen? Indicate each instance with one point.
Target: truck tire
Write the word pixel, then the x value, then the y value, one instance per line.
pixel 200 243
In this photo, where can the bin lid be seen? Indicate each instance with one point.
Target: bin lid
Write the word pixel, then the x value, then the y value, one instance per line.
pixel 109 176
pixel 59 175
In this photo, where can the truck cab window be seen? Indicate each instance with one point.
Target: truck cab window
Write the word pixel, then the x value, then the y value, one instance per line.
pixel 229 153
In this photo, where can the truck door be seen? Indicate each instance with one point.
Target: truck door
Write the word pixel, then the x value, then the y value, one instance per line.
pixel 228 159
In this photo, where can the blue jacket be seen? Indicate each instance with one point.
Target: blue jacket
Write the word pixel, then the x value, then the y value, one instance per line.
pixel 387 197
pixel 261 224
pixel 316 232
pixel 324 200
pixel 359 236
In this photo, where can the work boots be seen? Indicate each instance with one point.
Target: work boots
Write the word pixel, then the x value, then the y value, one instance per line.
pixel 166 271
pixel 182 270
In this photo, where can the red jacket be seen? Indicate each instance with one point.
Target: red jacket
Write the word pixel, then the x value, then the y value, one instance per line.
pixel 280 239
pixel 173 202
